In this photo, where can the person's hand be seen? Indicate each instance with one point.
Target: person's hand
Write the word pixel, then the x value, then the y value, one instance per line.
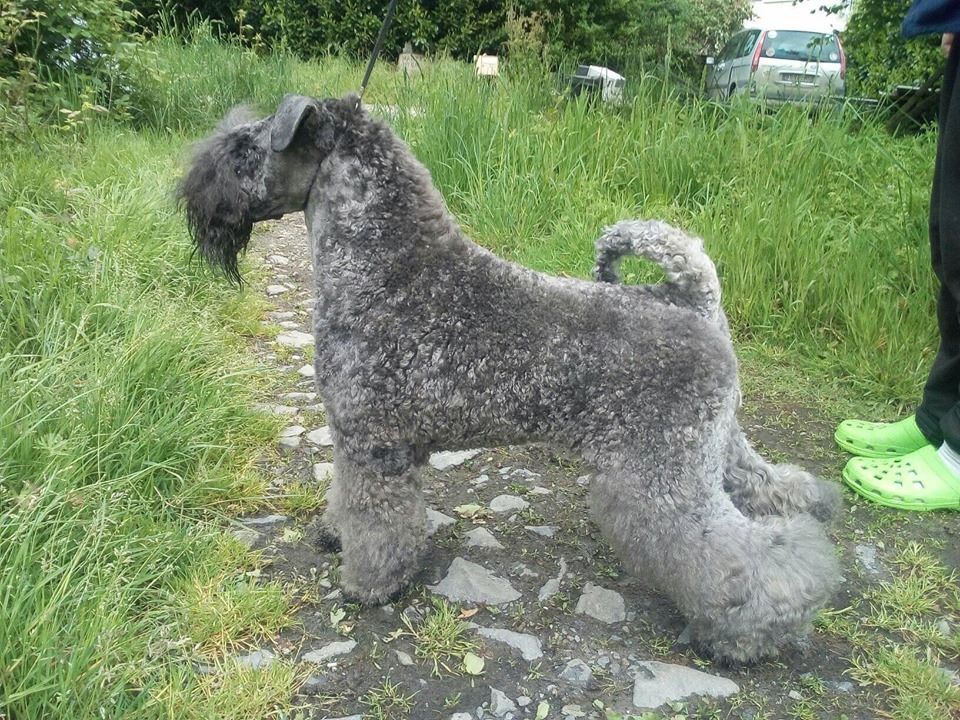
pixel 946 42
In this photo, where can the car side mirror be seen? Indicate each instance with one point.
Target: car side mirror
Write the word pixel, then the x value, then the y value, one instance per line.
pixel 710 60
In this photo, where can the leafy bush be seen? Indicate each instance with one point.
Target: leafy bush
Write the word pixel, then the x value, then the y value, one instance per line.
pixel 64 56
pixel 879 56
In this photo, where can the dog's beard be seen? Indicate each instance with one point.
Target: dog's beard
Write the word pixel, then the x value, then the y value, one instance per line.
pixel 218 216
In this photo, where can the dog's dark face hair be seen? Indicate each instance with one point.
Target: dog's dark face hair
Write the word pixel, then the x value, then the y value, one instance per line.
pixel 251 170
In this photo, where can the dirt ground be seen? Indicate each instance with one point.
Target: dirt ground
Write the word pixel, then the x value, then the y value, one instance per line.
pixel 813 681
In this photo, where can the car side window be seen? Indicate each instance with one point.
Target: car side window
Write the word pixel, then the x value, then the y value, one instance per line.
pixel 730 49
pixel 747 43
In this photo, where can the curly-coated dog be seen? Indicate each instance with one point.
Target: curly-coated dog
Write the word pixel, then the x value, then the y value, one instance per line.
pixel 426 341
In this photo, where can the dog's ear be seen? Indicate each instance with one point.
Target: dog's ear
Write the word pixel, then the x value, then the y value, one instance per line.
pixel 293 112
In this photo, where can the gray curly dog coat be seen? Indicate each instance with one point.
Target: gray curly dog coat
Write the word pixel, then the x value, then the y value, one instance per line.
pixel 426 341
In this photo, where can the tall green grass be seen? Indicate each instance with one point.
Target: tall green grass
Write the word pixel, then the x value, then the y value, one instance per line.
pixel 124 419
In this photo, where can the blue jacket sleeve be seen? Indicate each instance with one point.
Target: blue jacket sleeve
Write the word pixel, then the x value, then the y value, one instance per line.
pixel 931 17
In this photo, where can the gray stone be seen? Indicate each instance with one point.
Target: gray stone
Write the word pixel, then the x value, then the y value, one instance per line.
pixel 321 436
pixel 246 536
pixel 300 396
pixel 795 695
pixel 289 324
pixel 943 627
pixel 257 659
pixel 288 444
pixel 508 503
pixel 280 410
pixel 572 712
pixel 539 490
pixel 307 371
pixel 482 538
pixel 449 459
pixel 583 480
pixel 867 556
pixel 480 480
pixel 550 588
pixel 327 652
pixel 292 431
pixel 602 604
pixel 274 290
pixel 500 704
pixel 543 530
pixel 461 716
pixel 437 520
pixel 844 686
pixel 278 260
pixel 523 701
pixel 528 645
pixel 577 673
pixel 313 684
pixel 295 339
pixel 323 471
pixel 403 658
pixel 657 683
pixel 468 582
pixel 346 717
pixel 281 315
pixel 263 520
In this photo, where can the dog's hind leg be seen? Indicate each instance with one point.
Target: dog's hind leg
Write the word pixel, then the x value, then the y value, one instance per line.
pixel 747 586
pixel 380 518
pixel 761 488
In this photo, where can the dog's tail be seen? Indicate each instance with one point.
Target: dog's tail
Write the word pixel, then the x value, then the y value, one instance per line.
pixel 691 277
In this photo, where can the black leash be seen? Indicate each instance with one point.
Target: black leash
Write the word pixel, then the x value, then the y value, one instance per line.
pixel 391 8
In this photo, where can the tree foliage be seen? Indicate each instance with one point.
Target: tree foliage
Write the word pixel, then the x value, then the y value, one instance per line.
pixel 880 58
pixel 603 31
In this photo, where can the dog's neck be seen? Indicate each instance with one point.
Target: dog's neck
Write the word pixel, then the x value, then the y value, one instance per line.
pixel 372 197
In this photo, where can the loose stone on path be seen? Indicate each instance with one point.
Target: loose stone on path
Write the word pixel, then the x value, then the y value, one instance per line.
pixel 295 339
pixel 577 673
pixel 258 659
pixel 323 471
pixel 468 582
pixel 448 459
pixel 321 436
pixel 656 683
pixel 508 503
pixel 437 520
pixel 482 538
pixel 328 652
pixel 602 604
pixel 528 645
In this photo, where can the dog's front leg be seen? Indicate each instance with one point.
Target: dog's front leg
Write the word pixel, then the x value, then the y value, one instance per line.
pixel 378 512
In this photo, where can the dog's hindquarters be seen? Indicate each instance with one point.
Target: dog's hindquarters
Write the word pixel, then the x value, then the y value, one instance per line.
pixel 747 586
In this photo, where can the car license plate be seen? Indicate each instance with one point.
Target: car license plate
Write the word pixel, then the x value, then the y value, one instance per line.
pixel 798 78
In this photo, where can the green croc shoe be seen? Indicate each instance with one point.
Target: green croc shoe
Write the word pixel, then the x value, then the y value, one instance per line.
pixel 916 481
pixel 880 440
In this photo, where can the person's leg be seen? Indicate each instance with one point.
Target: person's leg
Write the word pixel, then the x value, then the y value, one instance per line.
pixel 929 478
pixel 939 413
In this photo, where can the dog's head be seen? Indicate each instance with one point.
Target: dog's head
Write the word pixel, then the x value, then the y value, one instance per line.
pixel 256 169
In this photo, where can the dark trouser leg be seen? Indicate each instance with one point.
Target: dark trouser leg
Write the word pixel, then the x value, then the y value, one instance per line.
pixel 939 414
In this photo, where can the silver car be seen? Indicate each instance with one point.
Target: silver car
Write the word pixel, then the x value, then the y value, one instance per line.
pixel 778 67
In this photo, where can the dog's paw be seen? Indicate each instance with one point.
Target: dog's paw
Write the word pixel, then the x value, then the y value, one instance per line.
pixel 321 536
pixel 818 498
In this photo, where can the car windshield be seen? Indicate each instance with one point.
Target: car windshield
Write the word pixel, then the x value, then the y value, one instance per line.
pixel 800 45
